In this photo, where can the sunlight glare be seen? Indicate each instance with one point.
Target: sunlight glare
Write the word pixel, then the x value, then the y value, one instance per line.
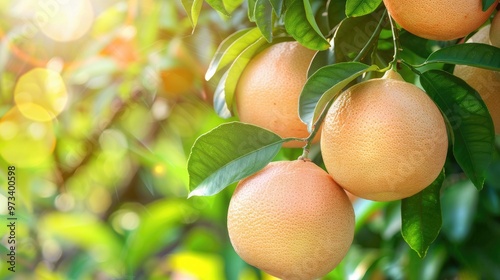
pixel 69 21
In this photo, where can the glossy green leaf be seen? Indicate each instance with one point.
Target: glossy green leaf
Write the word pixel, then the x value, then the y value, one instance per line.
pixel 353 34
pixel 414 44
pixel 321 59
pixel 357 8
pixel 324 85
pixel 469 119
pixel 220 105
pixel 336 12
pixel 487 4
pixel 193 9
pixel 251 9
pixel 473 54
pixel 218 5
pixel 277 6
pixel 310 16
pixel 320 11
pixel 299 24
pixel 226 88
pixel 421 217
pixel 264 18
pixel 231 48
pixel 227 154
pixel 237 68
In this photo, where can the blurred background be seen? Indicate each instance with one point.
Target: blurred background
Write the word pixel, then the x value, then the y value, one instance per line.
pixel 98 118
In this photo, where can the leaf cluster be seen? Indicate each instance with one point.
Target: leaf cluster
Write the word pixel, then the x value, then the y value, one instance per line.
pixel 355 40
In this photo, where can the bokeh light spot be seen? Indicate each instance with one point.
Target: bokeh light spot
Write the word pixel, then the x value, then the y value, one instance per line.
pixel 41 94
pixel 129 221
pixel 160 109
pixel 45 188
pixel 159 170
pixel 24 142
pixel 64 202
pixel 67 20
pixel 55 64
pixel 37 131
pixel 51 250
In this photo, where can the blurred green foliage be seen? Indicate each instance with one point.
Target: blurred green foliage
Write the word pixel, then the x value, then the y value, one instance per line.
pixel 106 197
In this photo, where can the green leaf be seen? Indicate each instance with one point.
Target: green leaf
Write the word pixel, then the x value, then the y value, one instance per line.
pixel 251 10
pixel 226 88
pixel 324 85
pixel 311 17
pixel 236 69
pixel 231 5
pixel 220 105
pixel 421 217
pixel 218 5
pixel 231 48
pixel 264 18
pixel 336 13
pixel 227 154
pixel 320 11
pixel 469 119
pixel 277 6
pixel 357 8
pixel 353 34
pixel 487 4
pixel 473 54
pixel 300 23
pixel 418 45
pixel 321 59
pixel 193 10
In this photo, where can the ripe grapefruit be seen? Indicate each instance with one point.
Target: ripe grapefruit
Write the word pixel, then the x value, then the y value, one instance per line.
pixel 384 139
pixel 268 91
pixel 439 19
pixel 291 220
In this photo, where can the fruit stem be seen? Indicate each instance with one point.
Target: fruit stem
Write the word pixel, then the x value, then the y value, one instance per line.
pixel 373 39
pixel 316 128
pixel 411 67
pixel 305 155
pixel 397 46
